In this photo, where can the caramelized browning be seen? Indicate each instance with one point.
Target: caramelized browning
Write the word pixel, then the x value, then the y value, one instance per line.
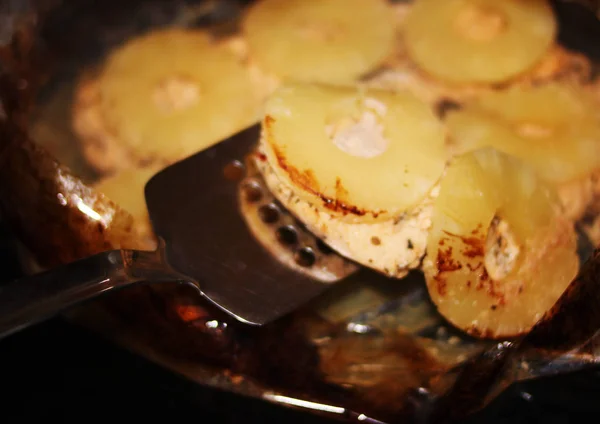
pixel 304 155
pixel 500 251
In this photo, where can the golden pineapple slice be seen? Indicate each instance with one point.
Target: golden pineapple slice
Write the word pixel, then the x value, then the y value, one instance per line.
pixel 483 41
pixel 500 252
pixel 174 92
pixel 554 127
pixel 320 40
pixel 126 189
pixel 361 154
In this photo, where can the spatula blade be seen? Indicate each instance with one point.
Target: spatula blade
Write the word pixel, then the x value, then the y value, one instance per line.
pixel 194 209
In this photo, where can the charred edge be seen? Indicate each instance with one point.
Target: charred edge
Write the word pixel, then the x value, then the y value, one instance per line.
pixel 477 230
pixel 268 122
pixel 340 191
pixel 475 247
pixel 445 263
pixel 306 179
pixel 338 206
pixel 480 334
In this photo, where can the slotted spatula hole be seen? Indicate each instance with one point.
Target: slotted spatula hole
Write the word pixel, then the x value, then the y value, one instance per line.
pixel 234 171
pixel 281 233
pixel 269 214
pixel 305 257
pixel 252 191
pixel 287 235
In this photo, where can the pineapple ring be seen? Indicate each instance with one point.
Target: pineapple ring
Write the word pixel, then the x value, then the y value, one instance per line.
pixel 529 276
pixel 333 145
pixel 393 246
pixel 320 40
pixel 553 127
pixel 176 106
pixel 479 40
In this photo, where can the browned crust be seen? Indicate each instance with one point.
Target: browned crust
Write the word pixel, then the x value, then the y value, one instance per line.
pixel 560 233
pixel 474 247
pixel 307 181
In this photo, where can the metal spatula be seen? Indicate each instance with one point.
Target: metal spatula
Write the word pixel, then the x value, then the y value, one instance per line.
pixel 218 229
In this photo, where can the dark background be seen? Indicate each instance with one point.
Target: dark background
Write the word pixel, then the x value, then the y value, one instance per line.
pixel 58 371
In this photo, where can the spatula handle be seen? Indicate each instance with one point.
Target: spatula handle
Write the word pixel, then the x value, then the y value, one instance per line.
pixel 38 297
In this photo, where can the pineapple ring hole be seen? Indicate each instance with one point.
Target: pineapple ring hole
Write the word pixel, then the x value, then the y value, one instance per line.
pixel 532 130
pixel 480 23
pixel 501 250
pixel 322 32
pixel 362 136
pixel 176 93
